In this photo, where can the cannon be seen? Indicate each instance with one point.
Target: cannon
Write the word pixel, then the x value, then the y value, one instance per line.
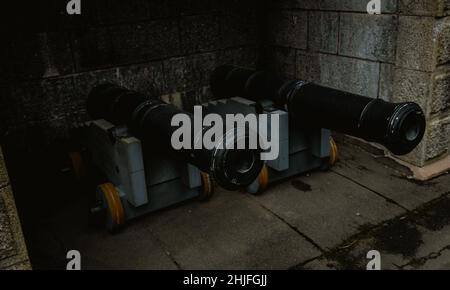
pixel 313 110
pixel 397 126
pixel 130 144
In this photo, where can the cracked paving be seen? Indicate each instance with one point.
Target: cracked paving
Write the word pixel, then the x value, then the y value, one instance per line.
pixel 321 220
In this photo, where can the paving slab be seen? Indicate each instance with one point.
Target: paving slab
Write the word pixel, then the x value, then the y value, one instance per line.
pixel 397 243
pixel 326 207
pixel 438 262
pixel 317 264
pixel 231 231
pixel 380 175
pixel 324 220
pixel 417 240
pixel 410 247
pixel 434 247
pixel 133 248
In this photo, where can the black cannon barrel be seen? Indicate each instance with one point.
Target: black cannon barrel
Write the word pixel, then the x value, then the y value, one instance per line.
pixel 150 119
pixel 398 126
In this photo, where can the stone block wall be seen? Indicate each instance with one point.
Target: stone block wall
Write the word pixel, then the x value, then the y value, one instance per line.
pixel 163 48
pixel 168 49
pixel 401 55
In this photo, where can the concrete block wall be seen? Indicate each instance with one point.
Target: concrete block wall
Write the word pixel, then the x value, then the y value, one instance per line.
pixel 163 48
pixel 401 55
pixel 168 48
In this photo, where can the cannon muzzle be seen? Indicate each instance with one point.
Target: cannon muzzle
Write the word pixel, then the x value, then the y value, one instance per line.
pixel 397 126
pixel 150 119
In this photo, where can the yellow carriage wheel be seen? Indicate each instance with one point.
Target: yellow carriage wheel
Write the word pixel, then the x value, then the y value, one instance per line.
pixel 263 179
pixel 261 182
pixel 333 152
pixel 207 188
pixel 115 213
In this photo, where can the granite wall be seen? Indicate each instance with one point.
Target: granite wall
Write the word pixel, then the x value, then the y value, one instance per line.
pixel 401 55
pixel 168 48
pixel 163 48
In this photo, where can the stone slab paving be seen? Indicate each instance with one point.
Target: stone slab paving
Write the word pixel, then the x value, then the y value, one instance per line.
pixel 326 207
pixel 416 240
pixel 385 177
pixel 322 220
pixel 229 232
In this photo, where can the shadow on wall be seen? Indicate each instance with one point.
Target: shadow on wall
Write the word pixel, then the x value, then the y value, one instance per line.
pixel 50 61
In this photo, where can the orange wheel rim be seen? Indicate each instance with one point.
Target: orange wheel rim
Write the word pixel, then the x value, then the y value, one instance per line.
pixel 206 183
pixel 114 203
pixel 333 151
pixel 263 178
